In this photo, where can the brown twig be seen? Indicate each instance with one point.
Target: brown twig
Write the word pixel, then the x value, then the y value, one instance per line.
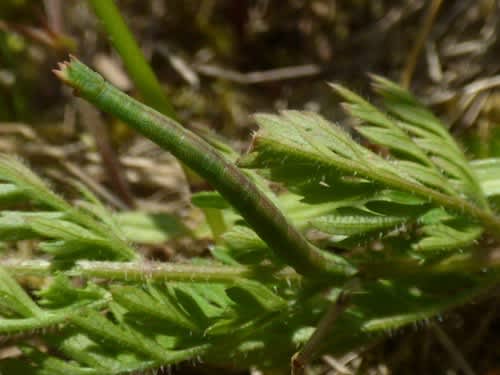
pixel 91 120
pixel 452 350
pixel 280 74
pixel 101 191
pixel 411 61
pixel 45 37
pixel 55 18
pixel 310 349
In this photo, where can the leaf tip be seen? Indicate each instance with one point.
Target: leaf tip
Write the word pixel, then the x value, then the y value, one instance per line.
pixel 335 86
pixel 259 116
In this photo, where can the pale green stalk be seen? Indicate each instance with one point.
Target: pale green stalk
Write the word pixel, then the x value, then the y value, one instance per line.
pixel 162 272
pixel 148 271
pixel 213 273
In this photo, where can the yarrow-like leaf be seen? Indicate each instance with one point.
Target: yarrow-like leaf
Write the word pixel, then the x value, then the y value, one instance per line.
pixel 322 163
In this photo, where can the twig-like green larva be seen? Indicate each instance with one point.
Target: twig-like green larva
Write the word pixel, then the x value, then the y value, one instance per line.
pixel 258 210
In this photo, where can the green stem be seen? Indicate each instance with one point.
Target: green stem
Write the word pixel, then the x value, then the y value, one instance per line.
pixel 29 267
pixel 161 272
pixel 133 58
pixel 148 271
pixel 155 271
pixel 252 204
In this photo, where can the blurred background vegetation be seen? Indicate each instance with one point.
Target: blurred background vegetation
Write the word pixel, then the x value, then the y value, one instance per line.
pixel 220 61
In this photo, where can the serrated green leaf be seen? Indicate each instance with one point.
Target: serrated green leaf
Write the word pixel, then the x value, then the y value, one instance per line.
pixel 426 308
pixel 441 237
pixel 30 324
pixel 215 294
pixel 46 364
pixel 209 199
pixel 10 193
pixel 64 230
pixel 413 133
pixel 15 172
pixel 427 176
pixel 400 143
pixel 488 173
pixel 430 135
pixel 98 326
pixel 106 361
pixel 11 303
pixel 356 223
pixel 199 308
pixel 93 207
pixel 66 249
pixel 398 197
pixel 16 225
pixel 260 294
pixel 435 216
pixel 384 131
pixel 48 318
pixel 23 303
pixel 85 351
pixel 149 228
pixel 73 239
pixel 61 293
pixel 245 246
pixel 235 326
pixel 327 171
pixel 139 301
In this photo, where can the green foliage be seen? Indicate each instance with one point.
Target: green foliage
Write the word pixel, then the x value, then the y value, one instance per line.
pixel 409 219
pixel 374 194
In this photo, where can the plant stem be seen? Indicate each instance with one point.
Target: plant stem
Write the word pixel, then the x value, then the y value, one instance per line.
pixel 161 272
pixel 252 204
pixel 29 267
pixel 148 271
pixel 323 330
pixel 133 58
pixel 154 271
pixel 452 350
